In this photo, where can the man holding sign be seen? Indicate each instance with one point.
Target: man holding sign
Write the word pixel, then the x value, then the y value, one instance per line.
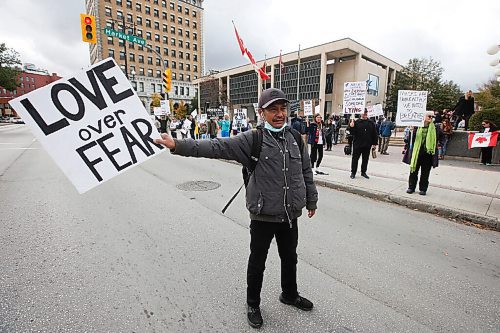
pixel 278 188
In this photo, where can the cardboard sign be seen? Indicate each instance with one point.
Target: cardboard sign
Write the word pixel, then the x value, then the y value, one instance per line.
pixel 213 113
pixel 308 108
pixel 354 97
pixel 158 111
pixel 411 107
pixel 93 124
pixel 240 119
pixel 375 110
pixel 165 107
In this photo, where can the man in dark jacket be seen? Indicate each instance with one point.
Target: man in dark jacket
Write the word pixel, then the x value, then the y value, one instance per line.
pixel 464 109
pixel 365 138
pixel 278 189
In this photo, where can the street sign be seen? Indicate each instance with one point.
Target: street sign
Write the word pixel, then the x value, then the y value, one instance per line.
pixel 128 38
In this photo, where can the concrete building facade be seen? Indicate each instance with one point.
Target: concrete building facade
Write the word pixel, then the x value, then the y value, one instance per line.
pixel 173 31
pixel 323 71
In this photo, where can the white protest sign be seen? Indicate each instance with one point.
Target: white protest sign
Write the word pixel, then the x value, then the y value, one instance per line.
pixel 316 109
pixel 354 97
pixel 203 117
pixel 308 108
pixel 194 113
pixel 375 110
pixel 411 107
pixel 93 124
pixel 157 111
pixel 165 107
pixel 240 118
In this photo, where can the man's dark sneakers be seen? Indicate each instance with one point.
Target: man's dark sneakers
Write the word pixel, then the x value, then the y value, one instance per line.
pixel 410 191
pixel 299 302
pixel 363 174
pixel 422 193
pixel 254 317
pixel 352 176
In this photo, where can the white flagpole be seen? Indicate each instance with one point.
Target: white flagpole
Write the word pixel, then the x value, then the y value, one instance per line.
pixel 298 74
pixel 280 64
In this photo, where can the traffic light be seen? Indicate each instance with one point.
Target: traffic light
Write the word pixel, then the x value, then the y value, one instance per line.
pixel 167 80
pixel 89 33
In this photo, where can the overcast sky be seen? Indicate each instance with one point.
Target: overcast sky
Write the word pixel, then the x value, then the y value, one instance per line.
pixel 456 33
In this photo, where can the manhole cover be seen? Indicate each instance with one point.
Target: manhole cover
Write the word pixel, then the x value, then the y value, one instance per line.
pixel 198 185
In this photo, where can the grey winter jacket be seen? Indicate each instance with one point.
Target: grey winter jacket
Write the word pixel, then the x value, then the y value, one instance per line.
pixel 282 183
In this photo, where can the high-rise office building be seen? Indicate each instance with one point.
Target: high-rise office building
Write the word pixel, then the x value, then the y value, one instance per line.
pixel 173 31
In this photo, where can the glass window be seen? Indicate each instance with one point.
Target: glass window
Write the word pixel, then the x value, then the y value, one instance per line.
pixel 179 43
pixel 372 83
pixel 138 7
pixel 139 20
pixel 141 85
pixel 148 35
pixel 107 11
pixel 141 59
pixel 157 37
pixel 110 41
pixel 148 23
pixel 172 6
pixel 122 55
pixel 158 73
pixel 179 20
pixel 129 18
pixel 179 32
pixel 172 18
pixel 147 10
pixel 179 8
pixel 156 13
pixel 150 60
pixel 172 41
pixel 141 70
pixel 150 72
pixel 131 57
pixel 165 39
pixel 172 29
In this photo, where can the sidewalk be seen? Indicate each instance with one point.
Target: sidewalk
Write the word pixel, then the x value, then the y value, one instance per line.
pixel 461 190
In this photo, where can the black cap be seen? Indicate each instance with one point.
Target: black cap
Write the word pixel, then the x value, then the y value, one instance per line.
pixel 271 95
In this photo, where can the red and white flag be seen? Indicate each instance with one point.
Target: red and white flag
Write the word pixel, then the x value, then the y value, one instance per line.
pixel 282 66
pixel 246 52
pixel 477 140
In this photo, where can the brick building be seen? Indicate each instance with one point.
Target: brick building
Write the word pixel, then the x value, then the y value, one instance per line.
pixel 29 79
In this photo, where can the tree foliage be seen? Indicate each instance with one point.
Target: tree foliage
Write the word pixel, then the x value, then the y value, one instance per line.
pixel 424 74
pixel 181 110
pixel 9 59
pixel 488 96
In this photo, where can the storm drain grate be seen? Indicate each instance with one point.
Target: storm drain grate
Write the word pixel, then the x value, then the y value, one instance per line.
pixel 198 185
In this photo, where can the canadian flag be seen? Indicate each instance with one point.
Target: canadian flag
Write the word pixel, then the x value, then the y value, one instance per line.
pixel 282 66
pixel 249 56
pixel 483 139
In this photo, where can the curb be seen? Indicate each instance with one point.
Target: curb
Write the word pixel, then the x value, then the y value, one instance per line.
pixel 447 212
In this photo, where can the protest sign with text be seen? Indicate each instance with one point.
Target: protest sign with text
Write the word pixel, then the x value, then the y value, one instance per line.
pixel 93 124
pixel 165 106
pixel 308 108
pixel 375 110
pixel 240 119
pixel 411 108
pixel 354 97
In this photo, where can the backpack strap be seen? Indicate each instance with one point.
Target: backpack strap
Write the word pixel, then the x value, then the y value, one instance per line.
pixel 257 136
pixel 298 137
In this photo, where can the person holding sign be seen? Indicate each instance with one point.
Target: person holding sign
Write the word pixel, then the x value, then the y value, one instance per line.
pixel 487 152
pixel 365 138
pixel 422 154
pixel 278 188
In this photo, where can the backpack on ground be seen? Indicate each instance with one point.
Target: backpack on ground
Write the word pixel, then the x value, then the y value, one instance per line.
pixel 257 135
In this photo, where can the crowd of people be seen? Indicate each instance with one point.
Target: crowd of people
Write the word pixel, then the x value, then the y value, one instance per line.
pixel 274 155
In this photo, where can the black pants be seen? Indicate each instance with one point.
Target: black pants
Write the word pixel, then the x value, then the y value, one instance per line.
pixel 459 119
pixel 336 136
pixel 424 163
pixel 329 142
pixel 357 152
pixel 261 235
pixel 316 153
pixel 486 154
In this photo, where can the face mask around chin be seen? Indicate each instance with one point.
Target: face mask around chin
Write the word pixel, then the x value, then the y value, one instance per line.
pixel 273 129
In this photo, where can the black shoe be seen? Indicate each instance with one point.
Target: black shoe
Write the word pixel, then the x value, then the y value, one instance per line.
pixel 410 191
pixel 384 153
pixel 352 176
pixel 363 174
pixel 299 302
pixel 254 317
pixel 421 192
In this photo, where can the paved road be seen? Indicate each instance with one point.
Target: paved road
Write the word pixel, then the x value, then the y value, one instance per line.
pixel 139 255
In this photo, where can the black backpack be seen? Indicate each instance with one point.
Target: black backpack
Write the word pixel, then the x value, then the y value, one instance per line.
pixel 257 135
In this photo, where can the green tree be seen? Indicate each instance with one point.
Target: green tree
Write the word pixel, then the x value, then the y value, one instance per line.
pixel 424 74
pixel 488 96
pixel 9 58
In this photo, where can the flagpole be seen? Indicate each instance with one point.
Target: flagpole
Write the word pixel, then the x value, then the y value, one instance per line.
pixel 298 74
pixel 280 65
pixel 265 71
